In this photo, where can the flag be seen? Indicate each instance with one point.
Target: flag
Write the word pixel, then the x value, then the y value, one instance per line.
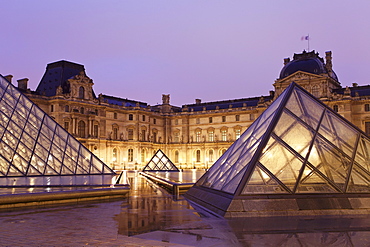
pixel 305 37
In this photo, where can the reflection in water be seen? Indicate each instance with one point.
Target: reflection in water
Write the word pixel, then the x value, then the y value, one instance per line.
pixel 151 213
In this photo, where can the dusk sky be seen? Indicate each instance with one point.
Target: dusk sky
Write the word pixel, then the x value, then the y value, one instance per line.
pixel 212 50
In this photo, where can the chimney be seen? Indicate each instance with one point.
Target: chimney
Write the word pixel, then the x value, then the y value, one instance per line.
pixel 9 78
pixel 198 101
pixel 328 65
pixel 23 84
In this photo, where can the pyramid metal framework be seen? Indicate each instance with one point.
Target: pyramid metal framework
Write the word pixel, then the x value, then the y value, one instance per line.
pixel 160 162
pixel 297 148
pixel 33 144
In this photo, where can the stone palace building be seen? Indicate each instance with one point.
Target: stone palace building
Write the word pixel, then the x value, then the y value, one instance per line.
pixel 126 133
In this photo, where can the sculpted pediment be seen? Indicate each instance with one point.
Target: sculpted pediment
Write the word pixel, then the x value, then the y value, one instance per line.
pixel 80 78
pixel 300 75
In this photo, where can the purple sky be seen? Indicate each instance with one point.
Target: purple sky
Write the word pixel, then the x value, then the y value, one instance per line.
pixel 212 50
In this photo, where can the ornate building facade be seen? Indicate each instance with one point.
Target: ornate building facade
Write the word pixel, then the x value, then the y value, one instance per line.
pixel 126 133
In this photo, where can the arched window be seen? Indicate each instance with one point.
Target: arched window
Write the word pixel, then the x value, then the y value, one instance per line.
pixel 176 156
pixel 81 129
pixel 197 156
pixel 114 159
pixel 81 92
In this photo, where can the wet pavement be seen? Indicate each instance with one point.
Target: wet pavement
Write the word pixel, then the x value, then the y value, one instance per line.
pixel 150 216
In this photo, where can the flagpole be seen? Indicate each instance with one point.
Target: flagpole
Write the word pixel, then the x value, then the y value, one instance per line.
pixel 308 42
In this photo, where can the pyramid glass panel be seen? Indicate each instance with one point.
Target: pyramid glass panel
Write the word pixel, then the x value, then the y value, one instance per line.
pixel 160 162
pixel 330 162
pixel 262 182
pixel 33 144
pixel 313 182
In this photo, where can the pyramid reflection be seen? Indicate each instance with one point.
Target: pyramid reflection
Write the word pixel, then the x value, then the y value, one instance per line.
pixel 297 149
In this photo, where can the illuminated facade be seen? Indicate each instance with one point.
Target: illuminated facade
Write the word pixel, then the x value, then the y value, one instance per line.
pixel 126 133
pixel 298 157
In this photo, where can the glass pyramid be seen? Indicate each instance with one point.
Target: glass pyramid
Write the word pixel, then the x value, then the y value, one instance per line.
pixel 298 146
pixel 33 144
pixel 160 162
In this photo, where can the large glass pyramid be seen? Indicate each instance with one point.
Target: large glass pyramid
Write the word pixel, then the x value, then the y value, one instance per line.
pixel 33 144
pixel 297 147
pixel 160 162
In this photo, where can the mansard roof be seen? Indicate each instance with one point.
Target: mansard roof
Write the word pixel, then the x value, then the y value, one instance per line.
pixel 225 104
pixel 355 91
pixel 56 75
pixel 121 101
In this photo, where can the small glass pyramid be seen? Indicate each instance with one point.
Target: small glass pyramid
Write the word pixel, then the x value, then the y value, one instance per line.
pixel 160 162
pixel 298 146
pixel 33 144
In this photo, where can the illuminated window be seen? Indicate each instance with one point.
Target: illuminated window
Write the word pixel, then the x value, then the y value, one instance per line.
pixel 224 135
pixel 210 155
pixel 197 136
pixel 130 155
pixel 114 155
pixel 237 133
pixel 198 156
pixel 81 129
pixel 211 136
pixel 176 156
pixel 142 155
